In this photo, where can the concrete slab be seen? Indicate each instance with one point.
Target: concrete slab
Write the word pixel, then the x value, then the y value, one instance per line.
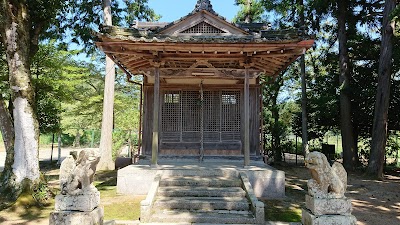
pixel 267 181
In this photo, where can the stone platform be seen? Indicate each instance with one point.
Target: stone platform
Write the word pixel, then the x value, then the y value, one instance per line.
pixel 266 181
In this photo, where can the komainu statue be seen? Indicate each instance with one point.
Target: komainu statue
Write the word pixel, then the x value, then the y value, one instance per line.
pixel 76 177
pixel 326 181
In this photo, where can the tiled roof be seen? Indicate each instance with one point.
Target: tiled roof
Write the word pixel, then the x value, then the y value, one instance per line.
pixel 132 34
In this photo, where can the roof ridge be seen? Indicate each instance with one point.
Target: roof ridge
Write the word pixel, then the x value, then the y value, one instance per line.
pixel 203 5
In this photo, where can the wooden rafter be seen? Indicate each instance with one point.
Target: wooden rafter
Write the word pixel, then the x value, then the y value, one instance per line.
pixel 184 59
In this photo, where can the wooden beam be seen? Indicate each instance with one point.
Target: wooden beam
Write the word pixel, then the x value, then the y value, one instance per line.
pixel 201 56
pixel 156 125
pixel 246 119
pixel 137 64
pixel 205 86
pixel 266 68
pixel 272 60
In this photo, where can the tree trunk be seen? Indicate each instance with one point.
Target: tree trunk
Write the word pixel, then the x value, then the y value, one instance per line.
pixel 24 170
pixel 77 141
pixel 277 150
pixel 345 98
pixel 304 134
pixel 379 131
pixel 7 131
pixel 106 162
pixel 59 148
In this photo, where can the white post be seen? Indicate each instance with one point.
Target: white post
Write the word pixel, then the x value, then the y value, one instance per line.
pixel 59 149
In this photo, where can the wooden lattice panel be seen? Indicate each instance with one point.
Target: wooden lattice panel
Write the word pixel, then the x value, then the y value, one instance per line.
pixel 183 112
pixel 171 116
pixel 203 28
pixel 190 116
pixel 212 116
pixel 230 115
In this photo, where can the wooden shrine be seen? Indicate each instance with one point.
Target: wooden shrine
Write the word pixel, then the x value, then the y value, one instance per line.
pixel 202 94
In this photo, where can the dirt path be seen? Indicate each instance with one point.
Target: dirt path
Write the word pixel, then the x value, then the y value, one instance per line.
pixel 374 202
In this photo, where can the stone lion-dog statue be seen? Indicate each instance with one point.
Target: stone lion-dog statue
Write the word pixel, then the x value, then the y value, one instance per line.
pixel 326 181
pixel 76 177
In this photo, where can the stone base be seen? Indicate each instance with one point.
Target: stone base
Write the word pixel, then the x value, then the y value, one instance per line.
pixel 83 203
pixel 94 217
pixel 309 219
pixel 266 181
pixel 328 206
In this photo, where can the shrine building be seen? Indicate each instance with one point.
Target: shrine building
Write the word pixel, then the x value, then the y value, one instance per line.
pixel 201 79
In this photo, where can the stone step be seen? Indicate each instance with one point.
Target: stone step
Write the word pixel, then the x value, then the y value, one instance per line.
pixel 215 217
pixel 201 172
pixel 186 191
pixel 202 203
pixel 200 181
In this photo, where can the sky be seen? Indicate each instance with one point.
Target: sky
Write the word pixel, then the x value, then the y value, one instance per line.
pixel 172 10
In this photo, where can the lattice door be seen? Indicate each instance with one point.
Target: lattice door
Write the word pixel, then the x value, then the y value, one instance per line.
pixel 181 116
pixel 171 115
pixel 190 116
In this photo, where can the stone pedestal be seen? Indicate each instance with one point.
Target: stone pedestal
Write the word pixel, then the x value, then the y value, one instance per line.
pixel 94 217
pixel 310 219
pixel 83 202
pixel 328 211
pixel 80 209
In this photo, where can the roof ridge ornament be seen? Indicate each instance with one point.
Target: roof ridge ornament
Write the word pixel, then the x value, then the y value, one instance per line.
pixel 204 5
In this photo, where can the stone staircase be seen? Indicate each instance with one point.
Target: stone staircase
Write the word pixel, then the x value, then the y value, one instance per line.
pixel 211 197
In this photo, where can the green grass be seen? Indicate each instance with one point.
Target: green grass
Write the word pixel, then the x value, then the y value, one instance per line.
pixel 278 210
pixel 26 208
pixel 116 207
pixel 123 208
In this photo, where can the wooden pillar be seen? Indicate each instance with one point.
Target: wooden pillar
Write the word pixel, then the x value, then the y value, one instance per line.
pixel 156 109
pixel 246 119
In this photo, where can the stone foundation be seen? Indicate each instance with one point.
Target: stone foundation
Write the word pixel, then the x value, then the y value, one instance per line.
pixel 267 182
pixel 94 217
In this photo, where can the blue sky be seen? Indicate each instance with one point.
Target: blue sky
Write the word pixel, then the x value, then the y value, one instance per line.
pixel 171 10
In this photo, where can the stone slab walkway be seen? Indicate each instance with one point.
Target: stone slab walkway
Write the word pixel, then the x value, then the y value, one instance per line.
pixel 137 222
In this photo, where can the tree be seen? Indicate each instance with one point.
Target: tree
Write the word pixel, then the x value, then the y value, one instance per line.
pixel 106 162
pixel 20 28
pixel 137 10
pixel 22 25
pixel 250 11
pixel 304 133
pixel 380 124
pixel 273 125
pixel 346 123
pixel 294 14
